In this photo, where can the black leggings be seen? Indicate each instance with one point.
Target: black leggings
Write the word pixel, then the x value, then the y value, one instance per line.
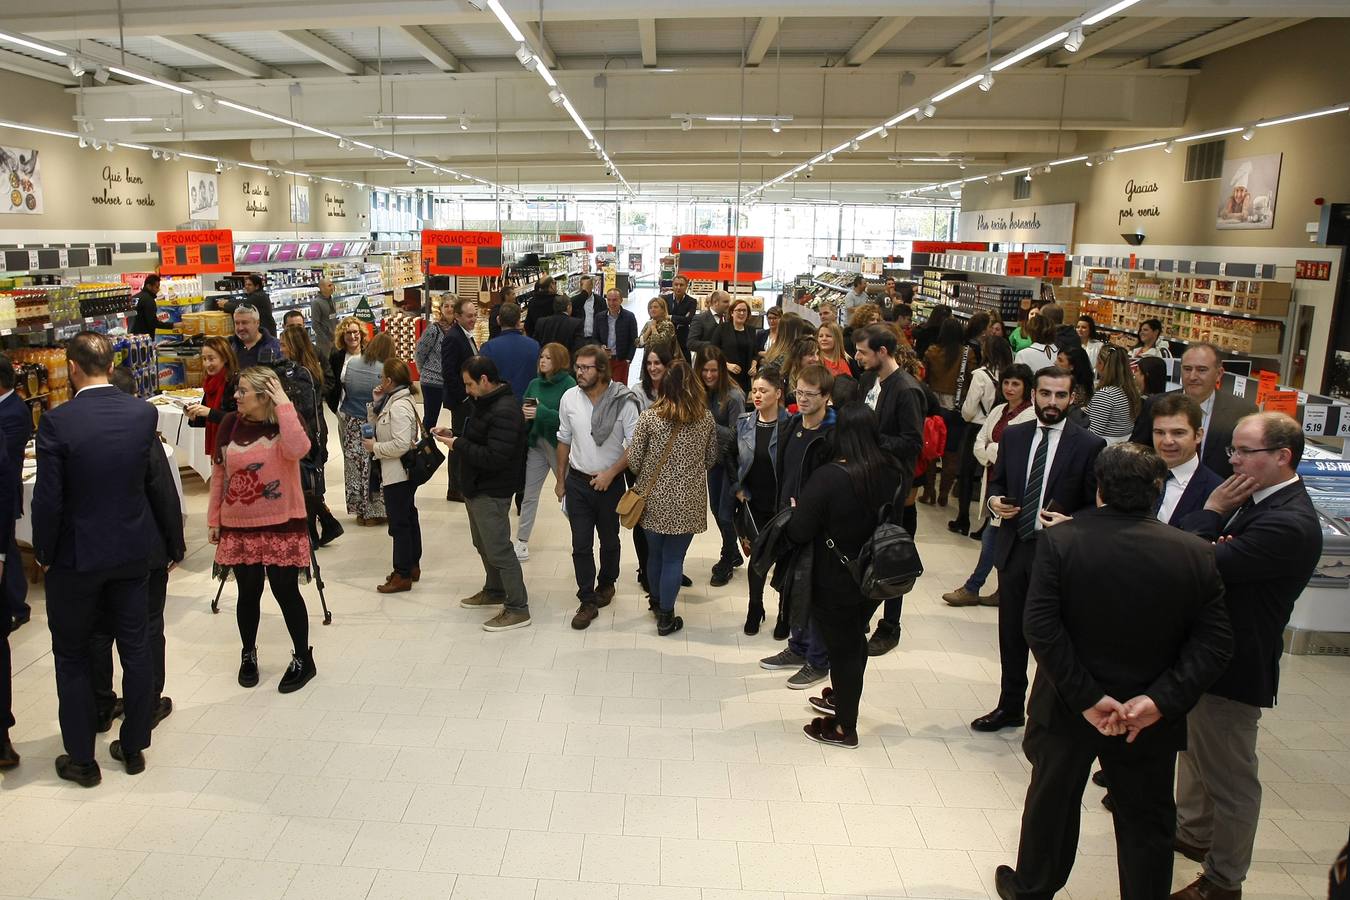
pixel 844 631
pixel 757 581
pixel 285 582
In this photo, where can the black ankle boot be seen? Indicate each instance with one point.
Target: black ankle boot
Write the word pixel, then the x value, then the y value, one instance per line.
pixel 668 623
pixel 330 529
pixel 299 673
pixel 248 667
pixel 753 617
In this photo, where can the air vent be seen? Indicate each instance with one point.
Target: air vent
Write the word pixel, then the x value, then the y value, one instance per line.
pixel 1204 162
pixel 1021 188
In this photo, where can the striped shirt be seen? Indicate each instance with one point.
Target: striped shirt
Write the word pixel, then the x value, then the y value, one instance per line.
pixel 1109 414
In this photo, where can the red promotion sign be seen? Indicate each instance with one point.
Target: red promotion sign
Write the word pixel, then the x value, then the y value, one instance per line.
pixel 1267 384
pixel 1055 266
pixel 1017 264
pixel 720 257
pixel 1312 270
pixel 1036 265
pixel 462 252
pixel 1282 402
pixel 944 246
pixel 195 252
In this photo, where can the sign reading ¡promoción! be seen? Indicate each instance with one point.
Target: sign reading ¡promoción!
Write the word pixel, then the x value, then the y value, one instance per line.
pixel 462 252
pixel 721 257
pixel 196 252
pixel 1052 224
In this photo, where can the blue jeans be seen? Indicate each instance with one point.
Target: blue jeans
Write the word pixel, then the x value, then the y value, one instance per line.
pixel 986 561
pixel 808 644
pixel 720 501
pixel 665 566
pixel 433 395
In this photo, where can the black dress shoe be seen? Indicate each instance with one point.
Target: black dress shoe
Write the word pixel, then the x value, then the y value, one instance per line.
pixel 999 718
pixel 83 774
pixel 134 762
pixel 721 574
pixel 1005 882
pixel 9 757
pixel 958 527
pixel 1099 778
pixel 163 709
pixel 19 621
pixel 686 581
pixel 1110 805
pixel 105 720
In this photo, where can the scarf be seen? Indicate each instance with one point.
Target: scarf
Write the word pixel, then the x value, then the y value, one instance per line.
pixel 213 387
pixel 606 411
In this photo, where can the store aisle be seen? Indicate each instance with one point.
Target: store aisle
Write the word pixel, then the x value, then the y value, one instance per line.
pixel 431 759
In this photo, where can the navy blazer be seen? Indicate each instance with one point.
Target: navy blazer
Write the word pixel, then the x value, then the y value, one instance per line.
pixel 1222 420
pixel 455 350
pixel 1201 485
pixel 83 519
pixel 1274 549
pixel 626 328
pixel 16 427
pixel 1071 484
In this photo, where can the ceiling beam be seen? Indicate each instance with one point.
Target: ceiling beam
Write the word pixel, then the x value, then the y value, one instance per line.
pixel 111 56
pixel 765 32
pixel 309 43
pixel 222 56
pixel 431 48
pixel 878 36
pixel 536 40
pixel 1111 36
pixel 647 36
pixel 1004 31
pixel 1219 39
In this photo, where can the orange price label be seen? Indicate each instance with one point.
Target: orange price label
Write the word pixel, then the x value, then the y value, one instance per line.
pixel 1282 402
pixel 462 252
pixel 1055 266
pixel 1036 265
pixel 195 252
pixel 1267 384
pixel 1017 264
pixel 721 257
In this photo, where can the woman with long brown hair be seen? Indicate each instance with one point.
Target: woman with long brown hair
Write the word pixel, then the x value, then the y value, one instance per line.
pixel 726 403
pixel 360 376
pixel 398 428
pixel 1115 404
pixel 305 379
pixel 791 328
pixel 674 445
pixel 221 369
pixel 942 369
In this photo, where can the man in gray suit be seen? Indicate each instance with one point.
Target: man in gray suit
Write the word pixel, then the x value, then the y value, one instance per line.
pixel 706 322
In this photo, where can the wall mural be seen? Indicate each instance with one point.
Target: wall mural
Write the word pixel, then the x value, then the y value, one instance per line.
pixel 203 201
pixel 1247 192
pixel 21 176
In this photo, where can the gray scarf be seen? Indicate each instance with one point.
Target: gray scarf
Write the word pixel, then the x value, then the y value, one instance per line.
pixel 606 411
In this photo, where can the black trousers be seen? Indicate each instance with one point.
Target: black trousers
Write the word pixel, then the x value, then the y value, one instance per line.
pixel 458 415
pixel 76 601
pixel 400 504
pixel 6 684
pixel 591 513
pixel 968 474
pixel 1013 580
pixel 757 581
pixel 1145 814
pixel 843 629
pixel 14 584
pixel 101 661
pixel 285 583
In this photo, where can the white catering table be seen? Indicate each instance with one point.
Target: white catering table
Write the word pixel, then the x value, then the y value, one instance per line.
pixel 23 528
pixel 188 443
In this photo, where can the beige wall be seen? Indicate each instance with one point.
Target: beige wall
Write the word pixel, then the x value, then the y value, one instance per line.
pixel 1293 70
pixel 127 192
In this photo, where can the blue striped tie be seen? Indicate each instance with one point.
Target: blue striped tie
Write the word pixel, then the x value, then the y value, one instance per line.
pixel 1031 498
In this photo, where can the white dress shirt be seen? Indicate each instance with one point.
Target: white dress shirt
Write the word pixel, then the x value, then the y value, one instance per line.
pixel 1206 412
pixel 1179 477
pixel 90 387
pixel 1056 431
pixel 574 429
pixel 1261 495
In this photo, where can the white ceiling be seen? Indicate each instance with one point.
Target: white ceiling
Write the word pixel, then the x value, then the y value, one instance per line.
pixel 833 73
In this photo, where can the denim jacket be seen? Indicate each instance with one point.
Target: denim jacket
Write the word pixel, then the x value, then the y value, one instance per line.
pixel 745 446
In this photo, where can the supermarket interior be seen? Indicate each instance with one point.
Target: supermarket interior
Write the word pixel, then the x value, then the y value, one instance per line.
pixel 973 159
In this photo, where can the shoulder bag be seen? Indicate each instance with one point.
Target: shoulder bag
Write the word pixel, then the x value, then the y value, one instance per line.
pixel 888 563
pixel 422 461
pixel 634 500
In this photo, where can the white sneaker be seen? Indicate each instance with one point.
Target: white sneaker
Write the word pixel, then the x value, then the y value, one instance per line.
pixel 522 551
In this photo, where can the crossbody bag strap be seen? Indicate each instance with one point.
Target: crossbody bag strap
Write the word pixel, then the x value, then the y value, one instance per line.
pixel 660 464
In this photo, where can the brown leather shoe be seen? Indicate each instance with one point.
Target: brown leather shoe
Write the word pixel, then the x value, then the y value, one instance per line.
pixel 961 597
pixel 396 584
pixel 586 614
pixel 1204 889
pixel 1190 851
pixel 989 599
pixel 604 596
pixel 9 757
pixel 416 575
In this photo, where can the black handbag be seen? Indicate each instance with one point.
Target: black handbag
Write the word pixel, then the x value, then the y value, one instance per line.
pixel 422 461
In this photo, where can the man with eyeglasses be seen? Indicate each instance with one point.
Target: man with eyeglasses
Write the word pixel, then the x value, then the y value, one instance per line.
pixel 1267 541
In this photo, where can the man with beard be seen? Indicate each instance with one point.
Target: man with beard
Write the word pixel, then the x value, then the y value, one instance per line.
pixel 1043 475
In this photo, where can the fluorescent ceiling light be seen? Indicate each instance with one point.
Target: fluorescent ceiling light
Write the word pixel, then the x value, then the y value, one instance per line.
pixel 136 76
pixel 545 74
pixel 510 26
pixel 36 130
pixel 902 117
pixel 1015 171
pixel 1029 51
pixel 128 119
pixel 1208 134
pixel 31 45
pixel 412 117
pixel 1299 118
pixel 956 89
pixel 867 134
pixel 198 156
pixel 1109 11
pixel 1071 159
pixel 130 146
pixel 1149 146
pixel 254 166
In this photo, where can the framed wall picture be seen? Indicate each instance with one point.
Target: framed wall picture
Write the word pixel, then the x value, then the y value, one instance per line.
pixel 300 204
pixel 1248 188
pixel 203 198
pixel 20 181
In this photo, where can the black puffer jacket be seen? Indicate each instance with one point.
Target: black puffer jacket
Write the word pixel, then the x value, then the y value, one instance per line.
pixel 490 459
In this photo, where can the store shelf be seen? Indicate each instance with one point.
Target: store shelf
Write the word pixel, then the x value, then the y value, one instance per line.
pixel 843 289
pixel 50 326
pixel 1209 310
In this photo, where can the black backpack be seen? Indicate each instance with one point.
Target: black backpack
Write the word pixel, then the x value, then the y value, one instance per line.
pixel 888 563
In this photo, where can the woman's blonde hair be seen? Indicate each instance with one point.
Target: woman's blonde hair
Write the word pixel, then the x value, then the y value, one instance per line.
pixel 683 399
pixel 837 334
pixel 259 380
pixel 342 329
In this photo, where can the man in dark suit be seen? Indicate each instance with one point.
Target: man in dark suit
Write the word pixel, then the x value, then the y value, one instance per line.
pixel 682 308
pixel 147 310
pixel 1043 474
pixel 16 427
pixel 1177 434
pixel 457 347
pixel 585 304
pixel 540 305
pixel 561 327
pixel 1267 544
pixel 1117 671
pixel 706 323
pixel 616 330
pixel 93 536
pixel 1201 376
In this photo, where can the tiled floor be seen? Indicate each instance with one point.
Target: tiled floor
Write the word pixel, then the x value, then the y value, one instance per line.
pixel 431 759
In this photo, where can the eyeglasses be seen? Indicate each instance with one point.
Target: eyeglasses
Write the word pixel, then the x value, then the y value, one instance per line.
pixel 801 394
pixel 1249 451
pixel 581 368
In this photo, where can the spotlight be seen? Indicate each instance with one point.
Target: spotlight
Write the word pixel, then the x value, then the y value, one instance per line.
pixel 686 124
pixel 883 133
pixel 854 145
pixel 463 123
pixel 96 144
pixel 930 110
pixel 776 127
pixel 198 102
pixel 1171 145
pixel 918 115
pixel 1046 170
pixel 1000 177
pixel 987 82
pixel 810 167
pixel 83 143
pixel 381 153
pixel 1091 162
pixel 174 156
pixel 961 165
pixel 527 59
pixel 1074 40
pixel 1026 177
pixel 168 125
pixel 85 125
pixel 101 75
pixel 110 146
pixel 988 180
pixel 274 173
pixel 154 154
pixel 1249 134
pixel 907 79
pixel 1110 157
pixel 378 122
pixel 412 165
pixel 76 66
pixel 210 104
pixel 220 167
pixel 829 157
pixel 343 145
pixel 556 97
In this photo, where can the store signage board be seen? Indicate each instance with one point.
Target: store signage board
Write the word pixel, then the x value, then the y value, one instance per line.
pixel 1049 224
pixel 1282 402
pixel 721 257
pixel 196 252
pixel 944 246
pixel 1312 270
pixel 1267 384
pixel 462 252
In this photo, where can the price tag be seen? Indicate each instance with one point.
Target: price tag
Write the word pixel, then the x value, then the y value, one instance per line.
pixel 1017 264
pixel 462 252
pixel 1282 402
pixel 1036 265
pixel 1343 421
pixel 1054 266
pixel 196 252
pixel 1239 386
pixel 1267 384
pixel 1315 419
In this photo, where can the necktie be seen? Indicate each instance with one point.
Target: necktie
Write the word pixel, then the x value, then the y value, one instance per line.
pixel 1031 497
pixel 1244 508
pixel 1162 495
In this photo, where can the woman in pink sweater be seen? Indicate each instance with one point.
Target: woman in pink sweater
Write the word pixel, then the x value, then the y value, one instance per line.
pixel 257 520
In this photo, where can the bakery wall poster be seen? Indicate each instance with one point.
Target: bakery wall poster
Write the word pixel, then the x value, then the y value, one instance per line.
pixel 300 204
pixel 203 201
pixel 21 180
pixel 1247 192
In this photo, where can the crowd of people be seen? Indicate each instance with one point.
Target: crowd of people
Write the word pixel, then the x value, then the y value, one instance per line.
pixel 798 441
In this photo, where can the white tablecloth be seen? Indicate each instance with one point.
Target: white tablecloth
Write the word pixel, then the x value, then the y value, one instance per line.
pixel 190 443
pixel 23 528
